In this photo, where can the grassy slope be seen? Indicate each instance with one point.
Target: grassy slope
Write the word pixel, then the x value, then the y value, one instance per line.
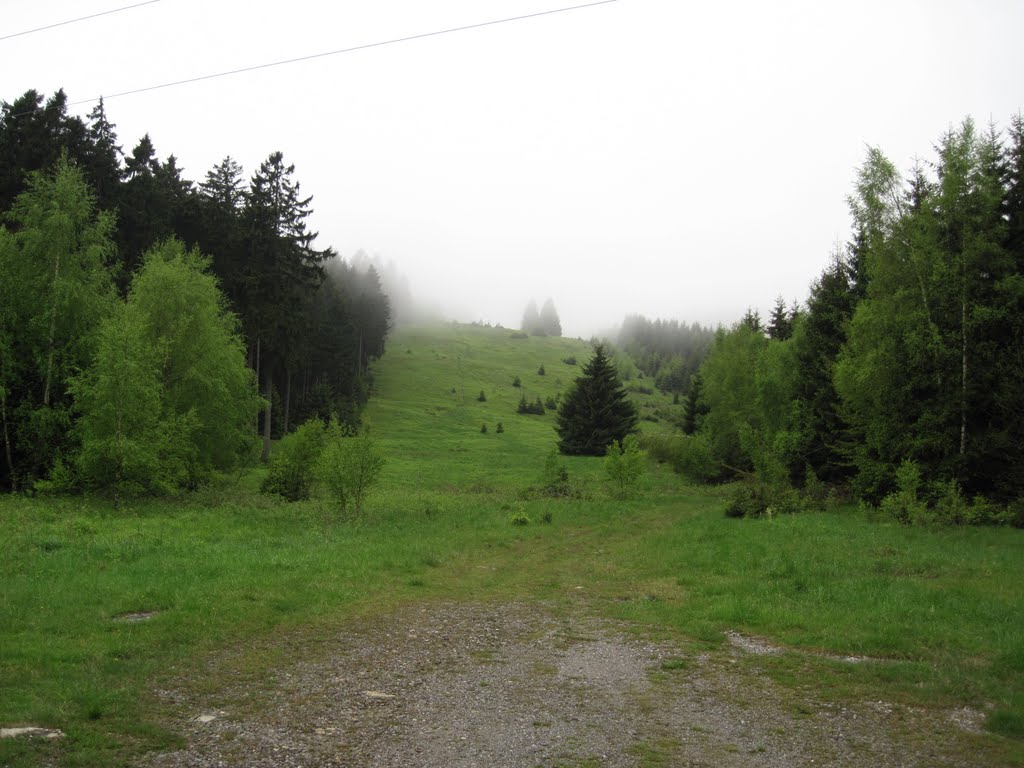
pixel 425 405
pixel 228 569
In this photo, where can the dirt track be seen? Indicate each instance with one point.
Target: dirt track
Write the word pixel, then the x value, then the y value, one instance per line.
pixel 473 685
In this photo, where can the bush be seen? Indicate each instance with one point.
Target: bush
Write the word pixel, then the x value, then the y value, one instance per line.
pixel 500 428
pixel 756 498
pixel 517 382
pixel 688 455
pixel 554 478
pixel 570 360
pixel 483 429
pixel 291 473
pixel 624 467
pixel 482 397
pixel 519 517
pixel 540 371
pixel 904 505
pixel 349 466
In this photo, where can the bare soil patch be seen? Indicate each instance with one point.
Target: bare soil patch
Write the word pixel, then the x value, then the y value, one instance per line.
pixel 462 685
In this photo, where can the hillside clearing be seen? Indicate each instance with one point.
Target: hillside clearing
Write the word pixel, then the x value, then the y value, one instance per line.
pixel 241 591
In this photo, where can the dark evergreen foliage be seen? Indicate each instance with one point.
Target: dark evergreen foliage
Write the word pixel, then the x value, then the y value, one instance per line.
pixel 541 323
pixel 311 322
pixel 596 411
pixel 667 351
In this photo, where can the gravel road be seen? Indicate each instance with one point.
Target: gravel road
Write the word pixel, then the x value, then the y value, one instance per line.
pixel 462 685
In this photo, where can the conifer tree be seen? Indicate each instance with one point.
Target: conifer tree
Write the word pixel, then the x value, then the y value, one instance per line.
pixel 596 411
pixel 531 317
pixel 548 320
pixel 282 272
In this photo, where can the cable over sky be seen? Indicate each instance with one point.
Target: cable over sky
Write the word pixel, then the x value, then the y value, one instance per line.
pixel 352 49
pixel 75 21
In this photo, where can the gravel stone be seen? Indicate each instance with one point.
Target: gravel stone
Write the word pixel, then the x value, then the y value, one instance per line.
pixel 464 685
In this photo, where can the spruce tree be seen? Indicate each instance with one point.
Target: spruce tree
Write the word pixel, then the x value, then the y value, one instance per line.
pixel 283 272
pixel 548 320
pixel 596 412
pixel 531 318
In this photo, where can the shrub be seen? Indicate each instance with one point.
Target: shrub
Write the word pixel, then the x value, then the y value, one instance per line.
pixel 482 397
pixel 519 335
pixel 624 467
pixel 904 505
pixel 540 371
pixel 349 466
pixel 500 428
pixel 689 455
pixel 291 473
pixel 551 403
pixel 570 360
pixel 753 497
pixel 519 517
pixel 517 382
pixel 554 478
pixel 483 429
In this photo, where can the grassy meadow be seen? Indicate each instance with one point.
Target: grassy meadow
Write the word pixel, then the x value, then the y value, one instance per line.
pixel 228 574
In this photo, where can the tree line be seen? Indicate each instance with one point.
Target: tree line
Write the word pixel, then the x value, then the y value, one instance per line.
pixel 903 377
pixel 88 230
pixel 667 351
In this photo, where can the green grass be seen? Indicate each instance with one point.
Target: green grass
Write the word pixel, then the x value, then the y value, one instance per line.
pixel 224 570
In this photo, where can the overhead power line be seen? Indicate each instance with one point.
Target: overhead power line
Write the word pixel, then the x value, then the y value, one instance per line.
pixel 74 21
pixel 339 51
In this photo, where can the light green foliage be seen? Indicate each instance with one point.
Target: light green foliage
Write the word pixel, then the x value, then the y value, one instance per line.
pixel 931 369
pixel 748 384
pixel 293 468
pixel 688 455
pixel 168 397
pixel 55 288
pixel 128 445
pixel 904 505
pixel 202 356
pixel 730 392
pixel 349 466
pixel 624 468
pixel 554 477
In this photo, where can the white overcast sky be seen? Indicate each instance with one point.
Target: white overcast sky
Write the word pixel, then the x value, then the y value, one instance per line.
pixel 675 159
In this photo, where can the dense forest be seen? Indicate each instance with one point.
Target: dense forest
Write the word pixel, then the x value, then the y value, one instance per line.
pixel 902 379
pixel 140 310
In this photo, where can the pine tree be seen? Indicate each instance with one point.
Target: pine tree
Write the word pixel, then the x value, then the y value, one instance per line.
pixel 531 318
pixel 281 275
pixel 548 320
pixel 596 411
pixel 780 327
pixel 221 203
pixel 104 158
